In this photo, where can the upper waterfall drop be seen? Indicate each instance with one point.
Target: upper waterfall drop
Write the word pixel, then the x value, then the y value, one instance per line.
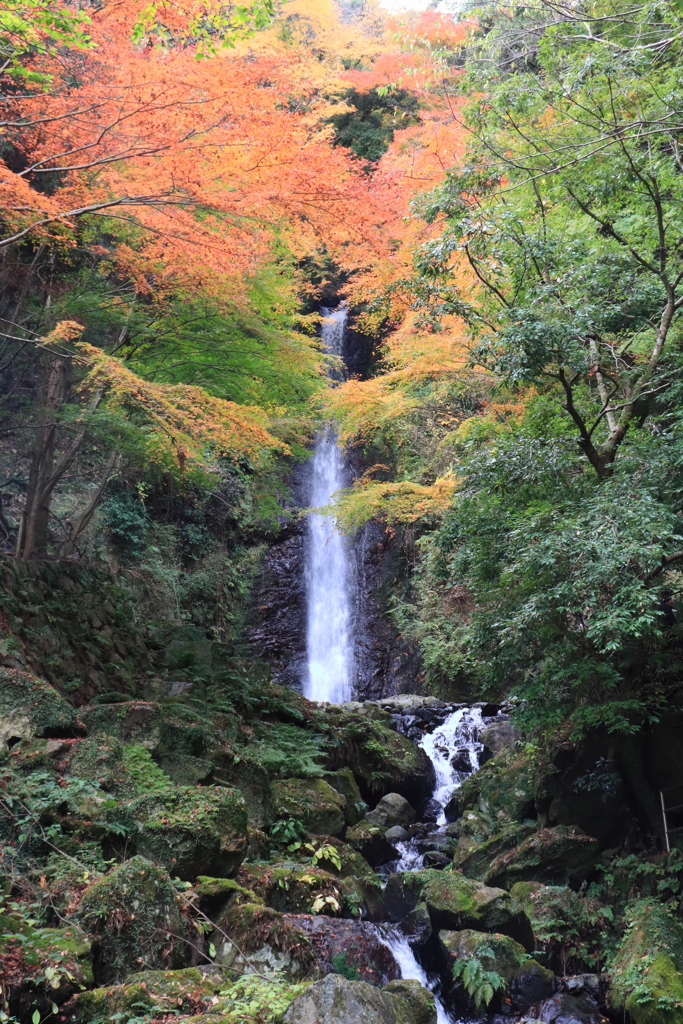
pixel 329 661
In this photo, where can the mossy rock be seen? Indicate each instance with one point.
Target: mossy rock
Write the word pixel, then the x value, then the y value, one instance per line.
pixel 502 790
pixel 419 999
pixel 474 860
pixel 135 913
pixel 186 991
pixel 646 975
pixel 31 707
pixel 98 759
pixel 41 966
pixel 525 980
pixel 191 831
pixel 251 937
pixel 371 842
pixel 455 902
pixel 186 770
pixel 252 781
pixel 292 888
pixel 335 1000
pixel 313 802
pixel 155 726
pixel 562 919
pixel 344 783
pixel 563 855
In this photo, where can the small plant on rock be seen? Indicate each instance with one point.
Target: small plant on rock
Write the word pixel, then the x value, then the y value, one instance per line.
pixel 480 985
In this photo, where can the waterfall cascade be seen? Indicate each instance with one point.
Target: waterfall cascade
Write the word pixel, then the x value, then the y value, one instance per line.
pixel 457 735
pixel 329 669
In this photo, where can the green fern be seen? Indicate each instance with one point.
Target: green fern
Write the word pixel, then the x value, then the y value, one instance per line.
pixel 480 985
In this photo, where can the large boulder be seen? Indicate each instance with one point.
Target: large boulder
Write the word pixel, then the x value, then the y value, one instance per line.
pixel 567 1009
pixel 455 902
pixel 31 707
pixel 502 791
pixel 344 783
pixel 419 999
pixel 393 809
pixel 554 911
pixel 335 1000
pixel 313 802
pixel 647 972
pixel 353 949
pixel 293 888
pixel 371 841
pixel 562 855
pixel 133 912
pixel 474 859
pixel 190 830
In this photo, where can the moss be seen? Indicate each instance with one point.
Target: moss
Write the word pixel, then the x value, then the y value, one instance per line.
pixel 134 912
pixel 189 830
pixel 562 854
pixel 476 862
pixel 420 1002
pixel 155 992
pixel 99 760
pixel 646 975
pixel 144 773
pixel 292 888
pixel 502 790
pixel 313 802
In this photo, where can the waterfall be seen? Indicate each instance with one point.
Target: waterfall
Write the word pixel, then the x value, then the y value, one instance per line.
pixel 329 670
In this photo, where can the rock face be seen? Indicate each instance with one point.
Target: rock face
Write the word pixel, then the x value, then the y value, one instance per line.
pixel 353 947
pixel 647 971
pixel 191 831
pixel 134 912
pixel 335 1000
pixel 313 802
pixel 420 1001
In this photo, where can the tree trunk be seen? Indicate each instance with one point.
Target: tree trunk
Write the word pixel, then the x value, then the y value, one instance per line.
pixel 33 529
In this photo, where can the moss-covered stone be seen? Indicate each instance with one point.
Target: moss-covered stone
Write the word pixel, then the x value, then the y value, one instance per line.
pixel 562 854
pixel 646 976
pixel 502 790
pixel 156 992
pixel 31 707
pixel 189 830
pixel 455 902
pixel 161 728
pixel 371 842
pixel 313 802
pixel 186 770
pixel 418 998
pixel 98 759
pixel 135 913
pixel 344 783
pixel 338 1001
pixel 293 888
pixel 566 924
pixel 250 937
pixel 474 859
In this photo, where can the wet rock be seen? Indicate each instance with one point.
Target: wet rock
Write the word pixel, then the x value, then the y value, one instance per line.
pixel 562 855
pixel 338 1001
pixel 417 926
pixel 393 809
pixel 501 792
pixel 431 811
pixel 647 970
pixel 314 802
pixel 396 834
pixel 455 902
pixel 461 761
pixel 495 952
pixel 190 830
pixel 420 1001
pixel 349 947
pixel 434 859
pixel 133 908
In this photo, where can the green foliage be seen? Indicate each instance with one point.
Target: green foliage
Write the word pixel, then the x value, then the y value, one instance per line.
pixel 125 517
pixel 264 1001
pixel 287 750
pixel 368 128
pixel 341 966
pixel 480 985
pixel 288 831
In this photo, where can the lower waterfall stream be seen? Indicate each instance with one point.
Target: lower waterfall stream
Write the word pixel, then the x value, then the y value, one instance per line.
pixel 457 736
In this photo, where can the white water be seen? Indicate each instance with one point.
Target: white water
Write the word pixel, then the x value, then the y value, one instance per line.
pixel 329 671
pixel 459 732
